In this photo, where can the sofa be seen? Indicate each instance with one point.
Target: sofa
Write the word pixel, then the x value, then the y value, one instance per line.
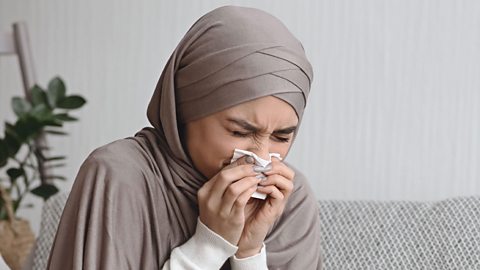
pixel 364 234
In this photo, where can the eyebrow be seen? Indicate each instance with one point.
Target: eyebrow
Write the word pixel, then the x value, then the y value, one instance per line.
pixel 250 127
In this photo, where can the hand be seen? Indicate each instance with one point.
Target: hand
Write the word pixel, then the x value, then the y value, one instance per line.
pixel 222 199
pixel 260 215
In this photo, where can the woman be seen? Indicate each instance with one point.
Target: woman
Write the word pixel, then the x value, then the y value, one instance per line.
pixel 169 197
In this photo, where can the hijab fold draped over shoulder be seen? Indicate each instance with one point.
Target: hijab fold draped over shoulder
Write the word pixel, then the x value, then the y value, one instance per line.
pixel 134 200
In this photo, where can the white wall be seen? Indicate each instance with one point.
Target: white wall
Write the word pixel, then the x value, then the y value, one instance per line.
pixel 394 109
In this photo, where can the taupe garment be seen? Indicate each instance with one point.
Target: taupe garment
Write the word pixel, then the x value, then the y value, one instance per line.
pixel 134 200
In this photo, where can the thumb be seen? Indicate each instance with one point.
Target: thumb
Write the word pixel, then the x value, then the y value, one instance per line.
pixel 245 160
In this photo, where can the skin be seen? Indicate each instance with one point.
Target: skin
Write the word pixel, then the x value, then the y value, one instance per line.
pixel 261 126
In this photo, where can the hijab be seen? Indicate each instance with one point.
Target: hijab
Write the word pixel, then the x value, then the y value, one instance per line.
pixel 134 200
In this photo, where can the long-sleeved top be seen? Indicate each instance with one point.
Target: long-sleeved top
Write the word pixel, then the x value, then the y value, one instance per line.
pixel 208 250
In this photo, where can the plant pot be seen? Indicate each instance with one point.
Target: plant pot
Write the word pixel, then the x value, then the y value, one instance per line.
pixel 16 236
pixel 17 240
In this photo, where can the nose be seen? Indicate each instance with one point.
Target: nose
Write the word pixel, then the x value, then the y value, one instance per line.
pixel 261 149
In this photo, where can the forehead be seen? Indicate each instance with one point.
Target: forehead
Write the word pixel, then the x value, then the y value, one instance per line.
pixel 264 111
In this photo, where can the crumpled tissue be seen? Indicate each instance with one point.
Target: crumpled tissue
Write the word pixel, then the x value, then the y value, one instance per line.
pixel 238 153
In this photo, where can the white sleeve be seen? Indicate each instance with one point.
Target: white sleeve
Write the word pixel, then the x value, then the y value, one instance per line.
pixel 208 250
pixel 255 262
pixel 204 250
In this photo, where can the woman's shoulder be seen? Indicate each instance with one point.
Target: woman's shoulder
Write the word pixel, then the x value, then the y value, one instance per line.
pixel 118 149
pixel 117 172
pixel 119 161
pixel 119 152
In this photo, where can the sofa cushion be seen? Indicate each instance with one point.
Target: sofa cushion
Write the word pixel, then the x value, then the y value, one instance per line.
pixel 365 234
pixel 401 234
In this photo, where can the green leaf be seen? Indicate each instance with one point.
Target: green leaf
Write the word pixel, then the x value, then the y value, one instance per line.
pixel 3 153
pixel 45 116
pixel 64 117
pixel 45 191
pixel 38 96
pixel 56 91
pixel 71 102
pixel 25 181
pixel 10 129
pixel 20 106
pixel 12 141
pixel 11 135
pixel 56 132
pixel 41 112
pixel 3 211
pixel 55 158
pixel 27 127
pixel 12 145
pixel 52 123
pixel 59 177
pixel 43 147
pixel 14 173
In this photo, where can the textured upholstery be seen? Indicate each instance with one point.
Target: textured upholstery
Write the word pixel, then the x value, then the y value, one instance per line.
pixel 51 213
pixel 366 234
pixel 401 235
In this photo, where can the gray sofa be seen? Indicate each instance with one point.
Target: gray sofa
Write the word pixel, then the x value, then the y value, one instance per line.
pixel 401 235
pixel 366 234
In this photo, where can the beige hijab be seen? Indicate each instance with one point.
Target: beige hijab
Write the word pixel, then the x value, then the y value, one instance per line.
pixel 134 200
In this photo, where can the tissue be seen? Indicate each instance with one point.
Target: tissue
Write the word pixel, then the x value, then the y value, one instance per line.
pixel 238 153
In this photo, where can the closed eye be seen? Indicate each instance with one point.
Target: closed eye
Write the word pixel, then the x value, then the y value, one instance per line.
pixel 240 134
pixel 281 139
pixel 247 134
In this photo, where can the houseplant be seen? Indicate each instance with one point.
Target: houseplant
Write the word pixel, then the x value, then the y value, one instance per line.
pixel 25 161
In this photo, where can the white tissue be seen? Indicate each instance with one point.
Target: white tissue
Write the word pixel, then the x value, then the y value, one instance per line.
pixel 238 153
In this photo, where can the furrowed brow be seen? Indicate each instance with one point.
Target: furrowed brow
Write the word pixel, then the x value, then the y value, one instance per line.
pixel 250 127
pixel 244 124
pixel 285 131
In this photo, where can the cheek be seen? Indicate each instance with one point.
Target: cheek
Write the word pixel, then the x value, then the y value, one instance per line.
pixel 221 149
pixel 210 149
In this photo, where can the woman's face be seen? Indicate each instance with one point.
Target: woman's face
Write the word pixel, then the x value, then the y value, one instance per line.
pixel 262 126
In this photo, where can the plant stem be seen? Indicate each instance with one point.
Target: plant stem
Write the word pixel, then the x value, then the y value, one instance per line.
pixel 28 180
pixel 21 195
pixel 27 162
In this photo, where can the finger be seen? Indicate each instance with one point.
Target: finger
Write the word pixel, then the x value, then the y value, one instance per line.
pixel 231 170
pixel 228 174
pixel 226 177
pixel 275 196
pixel 280 168
pixel 204 192
pixel 241 161
pixel 235 190
pixel 284 185
pixel 238 206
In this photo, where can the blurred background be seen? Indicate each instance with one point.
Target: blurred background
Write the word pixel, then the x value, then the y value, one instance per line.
pixel 394 110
